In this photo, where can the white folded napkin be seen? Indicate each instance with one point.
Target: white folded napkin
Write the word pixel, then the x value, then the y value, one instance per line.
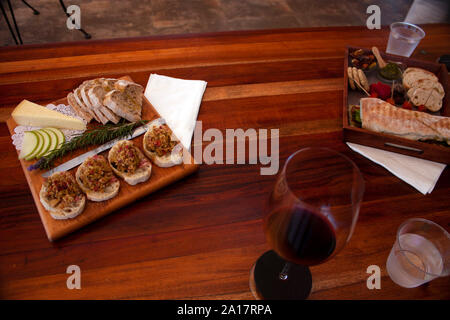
pixel 178 102
pixel 421 174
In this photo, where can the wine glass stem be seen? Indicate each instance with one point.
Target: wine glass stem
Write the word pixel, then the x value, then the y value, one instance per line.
pixel 284 273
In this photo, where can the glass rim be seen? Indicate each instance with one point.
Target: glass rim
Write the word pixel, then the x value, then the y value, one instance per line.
pixel 402 249
pixel 323 149
pixel 422 33
pixel 355 167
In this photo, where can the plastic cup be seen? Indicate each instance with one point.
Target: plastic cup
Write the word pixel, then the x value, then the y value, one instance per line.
pixel 404 38
pixel 420 253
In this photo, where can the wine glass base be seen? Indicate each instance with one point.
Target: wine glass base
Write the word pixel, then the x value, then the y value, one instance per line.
pixel 265 282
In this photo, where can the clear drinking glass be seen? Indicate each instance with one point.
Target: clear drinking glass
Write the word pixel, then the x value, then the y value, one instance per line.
pixel 404 38
pixel 310 216
pixel 420 253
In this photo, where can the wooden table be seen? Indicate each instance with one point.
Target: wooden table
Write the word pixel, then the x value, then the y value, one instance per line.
pixel 199 238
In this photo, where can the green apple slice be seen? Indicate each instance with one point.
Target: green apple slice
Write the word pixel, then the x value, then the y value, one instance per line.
pixel 29 144
pixel 61 137
pixel 53 140
pixel 46 145
pixel 39 146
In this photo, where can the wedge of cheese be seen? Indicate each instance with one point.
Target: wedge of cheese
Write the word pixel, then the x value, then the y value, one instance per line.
pixel 31 114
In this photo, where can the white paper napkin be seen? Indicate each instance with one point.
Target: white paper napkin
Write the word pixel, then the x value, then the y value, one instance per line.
pixel 178 102
pixel 421 174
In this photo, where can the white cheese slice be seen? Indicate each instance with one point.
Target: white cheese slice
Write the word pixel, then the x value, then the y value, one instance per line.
pixel 31 114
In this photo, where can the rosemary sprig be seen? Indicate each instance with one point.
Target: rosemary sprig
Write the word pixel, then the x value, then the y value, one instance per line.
pixel 95 136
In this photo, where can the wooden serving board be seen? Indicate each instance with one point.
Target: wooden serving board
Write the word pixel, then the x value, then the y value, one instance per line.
pixel 160 177
pixel 394 143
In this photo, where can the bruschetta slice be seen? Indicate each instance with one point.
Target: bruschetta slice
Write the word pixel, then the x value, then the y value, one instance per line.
pixel 161 145
pixel 129 163
pixel 96 178
pixel 61 196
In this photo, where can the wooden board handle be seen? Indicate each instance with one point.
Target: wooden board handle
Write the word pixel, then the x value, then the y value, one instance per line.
pixel 399 146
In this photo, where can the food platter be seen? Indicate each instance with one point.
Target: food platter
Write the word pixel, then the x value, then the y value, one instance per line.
pixel 160 177
pixel 425 150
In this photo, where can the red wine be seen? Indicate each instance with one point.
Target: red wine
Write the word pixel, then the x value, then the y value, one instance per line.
pixel 301 236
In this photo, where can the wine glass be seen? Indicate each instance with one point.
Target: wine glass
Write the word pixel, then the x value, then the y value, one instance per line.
pixel 310 216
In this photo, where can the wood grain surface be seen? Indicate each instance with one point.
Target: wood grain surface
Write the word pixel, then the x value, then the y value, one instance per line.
pixel 198 238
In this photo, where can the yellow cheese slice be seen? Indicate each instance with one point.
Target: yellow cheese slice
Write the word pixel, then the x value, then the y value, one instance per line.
pixel 31 114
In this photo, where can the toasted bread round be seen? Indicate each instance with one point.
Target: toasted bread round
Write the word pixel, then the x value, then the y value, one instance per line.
pixel 110 192
pixel 363 80
pixel 356 77
pixel 171 159
pixel 350 78
pixel 61 213
pixel 144 171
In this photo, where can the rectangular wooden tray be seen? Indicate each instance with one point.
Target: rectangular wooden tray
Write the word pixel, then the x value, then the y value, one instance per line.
pixel 392 143
pixel 160 177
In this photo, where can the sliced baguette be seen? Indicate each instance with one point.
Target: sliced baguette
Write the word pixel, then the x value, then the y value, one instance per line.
pixel 411 75
pixel 108 83
pixel 78 109
pixel 84 87
pixel 125 100
pixel 420 70
pixel 110 192
pixel 79 100
pixel 429 84
pixel 172 159
pixel 58 213
pixel 142 174
pixel 102 118
pixel 102 114
pixel 109 114
pixel 96 95
pixel 94 86
pixel 431 99
pixel 133 89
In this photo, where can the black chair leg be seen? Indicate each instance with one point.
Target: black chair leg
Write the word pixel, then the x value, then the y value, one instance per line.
pixel 7 22
pixel 29 6
pixel 86 35
pixel 15 23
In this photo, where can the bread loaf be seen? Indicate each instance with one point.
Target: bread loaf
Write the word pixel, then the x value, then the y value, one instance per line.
pixel 380 116
pixel 107 99
pixel 125 100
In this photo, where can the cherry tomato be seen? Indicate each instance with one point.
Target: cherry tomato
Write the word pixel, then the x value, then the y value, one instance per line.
pixel 391 101
pixel 374 95
pixel 422 108
pixel 407 105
